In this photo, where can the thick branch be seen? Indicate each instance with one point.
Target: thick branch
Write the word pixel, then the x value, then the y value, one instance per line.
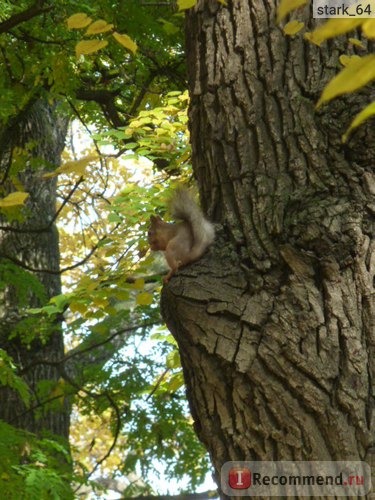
pixel 34 11
pixel 106 100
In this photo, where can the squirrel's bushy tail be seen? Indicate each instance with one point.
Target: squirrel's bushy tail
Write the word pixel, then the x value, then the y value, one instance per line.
pixel 184 207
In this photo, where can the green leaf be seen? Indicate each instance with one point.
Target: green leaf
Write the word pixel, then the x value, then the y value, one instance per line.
pixel 358 73
pixel 186 4
pixel 176 381
pixel 364 115
pixel 173 359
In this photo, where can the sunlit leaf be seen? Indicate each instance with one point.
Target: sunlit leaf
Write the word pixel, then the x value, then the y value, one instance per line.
pixel 365 114
pixel 356 74
pixel 173 359
pixel 331 29
pixel 144 299
pixel 14 199
pixel 78 21
pixel 77 167
pixel 287 6
pixel 139 284
pixel 126 42
pixel 186 4
pixel 345 59
pixel 99 26
pixel 293 27
pixel 368 28
pixel 176 381
pixel 169 27
pixel 86 47
pixel 356 42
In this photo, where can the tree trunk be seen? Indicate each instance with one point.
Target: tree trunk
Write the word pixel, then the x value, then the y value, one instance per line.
pixel 276 324
pixel 29 147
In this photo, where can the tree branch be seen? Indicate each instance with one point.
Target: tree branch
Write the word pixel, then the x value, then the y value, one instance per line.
pixel 33 11
pixel 106 100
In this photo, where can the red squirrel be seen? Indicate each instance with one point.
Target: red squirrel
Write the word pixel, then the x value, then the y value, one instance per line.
pixel 182 242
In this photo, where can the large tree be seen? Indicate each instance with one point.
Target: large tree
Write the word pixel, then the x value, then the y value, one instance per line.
pixel 276 325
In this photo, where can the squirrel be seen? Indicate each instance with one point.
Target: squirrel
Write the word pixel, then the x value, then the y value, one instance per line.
pixel 182 242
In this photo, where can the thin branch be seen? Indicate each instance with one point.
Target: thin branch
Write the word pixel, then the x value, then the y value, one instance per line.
pixel 158 382
pixel 58 271
pixel 79 351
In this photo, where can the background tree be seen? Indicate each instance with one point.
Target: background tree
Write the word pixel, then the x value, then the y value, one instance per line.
pixel 101 66
pixel 275 325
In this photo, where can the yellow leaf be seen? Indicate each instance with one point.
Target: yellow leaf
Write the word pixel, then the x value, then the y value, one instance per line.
pixel 14 199
pixel 287 6
pixel 78 307
pixel 358 72
pixel 144 299
pixel 100 302
pixel 345 60
pixel 126 42
pixel 89 46
pixel 186 4
pixel 58 392
pixel 99 26
pixel 139 284
pixel 331 29
pixel 368 28
pixel 293 27
pixel 356 42
pixel 366 113
pixel 78 21
pixel 77 167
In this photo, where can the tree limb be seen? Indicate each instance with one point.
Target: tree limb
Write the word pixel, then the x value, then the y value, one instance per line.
pixel 33 11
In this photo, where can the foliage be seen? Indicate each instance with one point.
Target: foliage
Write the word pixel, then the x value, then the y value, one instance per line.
pixel 32 468
pixel 118 70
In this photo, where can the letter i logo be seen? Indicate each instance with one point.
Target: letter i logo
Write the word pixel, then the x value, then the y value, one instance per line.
pixel 239 478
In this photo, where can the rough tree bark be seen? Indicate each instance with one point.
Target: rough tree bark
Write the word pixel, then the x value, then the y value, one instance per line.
pixel 33 244
pixel 276 324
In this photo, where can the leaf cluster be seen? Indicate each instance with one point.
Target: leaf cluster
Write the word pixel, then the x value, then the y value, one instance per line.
pixel 33 468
